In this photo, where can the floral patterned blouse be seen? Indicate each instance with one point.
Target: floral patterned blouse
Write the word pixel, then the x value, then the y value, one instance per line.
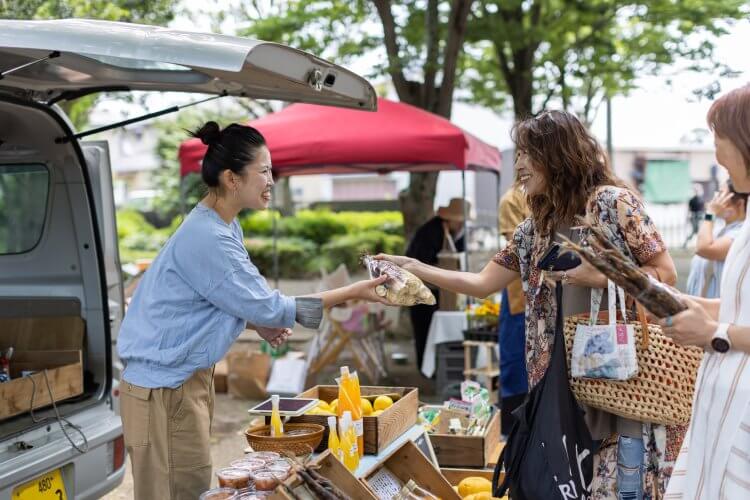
pixel 618 212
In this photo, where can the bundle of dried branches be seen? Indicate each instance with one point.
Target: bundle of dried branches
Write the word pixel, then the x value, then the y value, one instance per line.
pixel 607 258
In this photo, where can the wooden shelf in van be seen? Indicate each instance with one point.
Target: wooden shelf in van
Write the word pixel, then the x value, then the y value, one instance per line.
pixel 64 372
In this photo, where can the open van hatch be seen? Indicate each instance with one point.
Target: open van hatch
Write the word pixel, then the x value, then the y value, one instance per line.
pixel 74 57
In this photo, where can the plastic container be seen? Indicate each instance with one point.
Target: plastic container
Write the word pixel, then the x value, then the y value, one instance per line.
pixel 281 464
pixel 220 494
pixel 350 400
pixel 277 427
pixel 349 443
pixel 267 480
pixel 266 456
pixel 232 477
pixel 250 464
pixel 333 439
pixel 252 494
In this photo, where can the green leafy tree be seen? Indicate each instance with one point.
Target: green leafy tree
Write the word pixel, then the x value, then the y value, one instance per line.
pixel 576 52
pixel 422 40
pixel 158 12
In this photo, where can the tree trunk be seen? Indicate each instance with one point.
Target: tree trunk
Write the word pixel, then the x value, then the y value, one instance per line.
pixel 283 190
pixel 417 201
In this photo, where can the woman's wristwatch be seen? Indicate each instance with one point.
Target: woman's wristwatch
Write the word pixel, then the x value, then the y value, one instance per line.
pixel 708 216
pixel 720 341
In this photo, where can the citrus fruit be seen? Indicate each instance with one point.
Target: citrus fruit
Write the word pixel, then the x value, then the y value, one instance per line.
pixel 383 403
pixel 366 407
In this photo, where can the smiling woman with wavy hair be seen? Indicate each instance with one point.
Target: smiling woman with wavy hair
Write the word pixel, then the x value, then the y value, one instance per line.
pixel 565 173
pixel 570 161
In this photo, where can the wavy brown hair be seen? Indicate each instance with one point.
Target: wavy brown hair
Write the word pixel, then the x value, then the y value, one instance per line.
pixel 570 159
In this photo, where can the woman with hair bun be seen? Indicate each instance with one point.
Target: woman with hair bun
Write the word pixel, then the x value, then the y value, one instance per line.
pixel 200 293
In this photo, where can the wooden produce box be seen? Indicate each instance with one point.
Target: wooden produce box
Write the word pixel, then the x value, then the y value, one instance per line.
pixel 64 372
pixel 406 463
pixel 333 470
pixel 380 431
pixel 468 451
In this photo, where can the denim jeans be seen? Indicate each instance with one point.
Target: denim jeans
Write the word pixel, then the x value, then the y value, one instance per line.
pixel 630 468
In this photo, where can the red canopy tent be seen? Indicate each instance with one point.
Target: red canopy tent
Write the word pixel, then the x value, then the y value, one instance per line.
pixel 311 139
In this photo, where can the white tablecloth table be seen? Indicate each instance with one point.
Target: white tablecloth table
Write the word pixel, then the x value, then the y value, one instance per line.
pixel 446 326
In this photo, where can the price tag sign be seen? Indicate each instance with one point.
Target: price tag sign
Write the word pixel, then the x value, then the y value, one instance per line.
pixel 384 484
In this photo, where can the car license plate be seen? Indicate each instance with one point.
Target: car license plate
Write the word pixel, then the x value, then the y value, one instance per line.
pixel 49 486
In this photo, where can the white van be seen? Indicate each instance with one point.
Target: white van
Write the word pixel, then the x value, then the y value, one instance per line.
pixel 58 239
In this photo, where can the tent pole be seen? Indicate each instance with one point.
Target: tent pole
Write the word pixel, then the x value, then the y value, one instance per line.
pixel 275 238
pixel 182 197
pixel 466 216
pixel 497 211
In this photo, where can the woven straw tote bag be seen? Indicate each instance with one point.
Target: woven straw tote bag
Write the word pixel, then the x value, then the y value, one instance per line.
pixel 661 392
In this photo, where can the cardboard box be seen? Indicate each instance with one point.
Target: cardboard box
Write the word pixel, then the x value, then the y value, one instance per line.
pixel 333 470
pixel 221 373
pixel 248 374
pixel 467 451
pixel 406 463
pixel 64 373
pixel 380 431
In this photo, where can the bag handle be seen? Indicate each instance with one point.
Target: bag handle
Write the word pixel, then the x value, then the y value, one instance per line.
pixel 613 292
pixel 643 318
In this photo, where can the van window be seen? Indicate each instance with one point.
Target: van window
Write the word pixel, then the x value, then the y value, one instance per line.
pixel 24 190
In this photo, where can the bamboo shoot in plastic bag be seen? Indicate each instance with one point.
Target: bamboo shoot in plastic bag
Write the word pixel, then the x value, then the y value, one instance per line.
pixel 402 287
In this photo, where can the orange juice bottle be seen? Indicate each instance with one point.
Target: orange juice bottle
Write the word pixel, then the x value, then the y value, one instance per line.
pixel 350 400
pixel 333 440
pixel 348 440
pixel 277 427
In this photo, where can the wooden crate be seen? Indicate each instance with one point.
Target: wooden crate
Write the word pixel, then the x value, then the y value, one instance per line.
pixel 64 372
pixel 380 431
pixel 468 451
pixel 407 462
pixel 333 470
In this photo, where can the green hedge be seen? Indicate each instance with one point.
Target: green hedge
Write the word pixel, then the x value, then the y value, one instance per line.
pixel 297 257
pixel 348 249
pixel 308 241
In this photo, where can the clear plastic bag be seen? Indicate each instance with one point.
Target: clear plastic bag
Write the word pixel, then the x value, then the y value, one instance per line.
pixel 402 287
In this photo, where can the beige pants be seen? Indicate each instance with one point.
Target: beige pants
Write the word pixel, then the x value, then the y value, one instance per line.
pixel 167 437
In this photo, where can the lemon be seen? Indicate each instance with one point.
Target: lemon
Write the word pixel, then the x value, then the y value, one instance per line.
pixel 323 405
pixel 375 413
pixel 313 411
pixel 366 407
pixel 383 403
pixel 334 405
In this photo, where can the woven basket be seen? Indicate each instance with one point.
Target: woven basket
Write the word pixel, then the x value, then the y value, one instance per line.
pixel 662 392
pixel 299 444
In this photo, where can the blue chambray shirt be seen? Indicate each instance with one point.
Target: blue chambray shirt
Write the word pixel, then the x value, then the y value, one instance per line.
pixel 194 301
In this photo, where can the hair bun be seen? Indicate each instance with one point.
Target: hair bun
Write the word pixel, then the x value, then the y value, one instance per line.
pixel 209 134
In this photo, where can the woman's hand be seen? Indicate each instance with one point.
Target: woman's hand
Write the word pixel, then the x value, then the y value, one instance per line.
pixel 399 260
pixel 693 326
pixel 365 290
pixel 583 275
pixel 274 336
pixel 720 203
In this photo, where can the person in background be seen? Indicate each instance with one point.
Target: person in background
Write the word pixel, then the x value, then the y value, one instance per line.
pixel 696 207
pixel 443 232
pixel 195 299
pixel 713 462
pixel 512 324
pixel 715 237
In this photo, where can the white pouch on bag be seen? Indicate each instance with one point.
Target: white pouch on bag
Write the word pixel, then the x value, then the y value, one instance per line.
pixel 605 351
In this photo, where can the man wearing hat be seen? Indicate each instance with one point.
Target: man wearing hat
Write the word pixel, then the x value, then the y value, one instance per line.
pixel 442 232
